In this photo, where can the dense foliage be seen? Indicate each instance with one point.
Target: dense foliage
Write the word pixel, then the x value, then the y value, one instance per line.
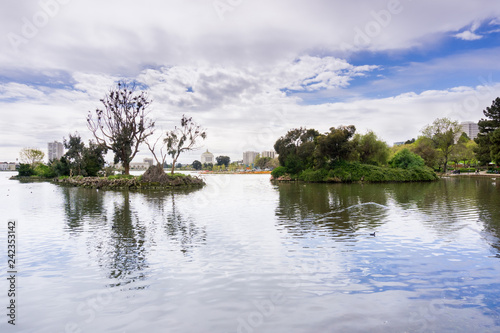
pixel 488 140
pixel 340 155
pixel 223 160
pixel 405 159
pixel 443 133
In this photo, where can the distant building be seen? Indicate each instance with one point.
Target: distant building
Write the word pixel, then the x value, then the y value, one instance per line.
pixel 56 150
pixel 268 153
pixel 207 157
pixel 7 166
pixel 470 128
pixel 138 165
pixel 249 157
pixel 145 164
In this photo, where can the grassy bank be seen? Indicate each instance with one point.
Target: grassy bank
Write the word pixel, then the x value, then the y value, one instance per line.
pixel 356 172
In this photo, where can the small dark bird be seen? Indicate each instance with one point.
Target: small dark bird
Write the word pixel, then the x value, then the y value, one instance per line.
pixel 373 234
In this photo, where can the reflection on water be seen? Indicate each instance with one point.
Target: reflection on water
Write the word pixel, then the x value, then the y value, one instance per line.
pixel 253 256
pixel 340 209
pixel 121 247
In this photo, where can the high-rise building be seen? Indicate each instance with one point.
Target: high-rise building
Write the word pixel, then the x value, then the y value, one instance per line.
pixel 56 150
pixel 249 157
pixel 207 157
pixel 268 153
pixel 470 128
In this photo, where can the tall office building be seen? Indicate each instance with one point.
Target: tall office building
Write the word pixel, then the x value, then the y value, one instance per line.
pixel 470 128
pixel 268 153
pixel 56 150
pixel 249 157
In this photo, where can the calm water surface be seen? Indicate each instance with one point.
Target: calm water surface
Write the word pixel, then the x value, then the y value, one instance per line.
pixel 244 255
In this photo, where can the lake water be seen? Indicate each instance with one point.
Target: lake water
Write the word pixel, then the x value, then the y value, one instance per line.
pixel 244 255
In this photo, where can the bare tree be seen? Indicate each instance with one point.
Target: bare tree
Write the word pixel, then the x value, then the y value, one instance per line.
pixel 31 156
pixel 183 138
pixel 123 123
pixel 158 150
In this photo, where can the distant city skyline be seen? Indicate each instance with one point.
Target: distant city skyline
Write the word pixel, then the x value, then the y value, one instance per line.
pixel 249 71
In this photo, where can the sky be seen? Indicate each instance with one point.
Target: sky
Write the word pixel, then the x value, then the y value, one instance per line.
pixel 247 71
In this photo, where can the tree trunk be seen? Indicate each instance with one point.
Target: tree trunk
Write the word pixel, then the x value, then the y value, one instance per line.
pixel 173 166
pixel 126 168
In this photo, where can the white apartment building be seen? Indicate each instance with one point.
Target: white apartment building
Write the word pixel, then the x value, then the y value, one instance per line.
pixel 470 128
pixel 249 157
pixel 268 153
pixel 55 149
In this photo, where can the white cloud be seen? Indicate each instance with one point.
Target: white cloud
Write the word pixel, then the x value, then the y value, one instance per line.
pixel 246 78
pixel 94 36
pixel 468 35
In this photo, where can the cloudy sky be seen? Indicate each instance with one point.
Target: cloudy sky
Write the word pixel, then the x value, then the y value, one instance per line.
pixel 247 70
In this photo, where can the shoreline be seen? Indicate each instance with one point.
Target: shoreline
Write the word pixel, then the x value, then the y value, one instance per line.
pixel 471 174
pixel 121 183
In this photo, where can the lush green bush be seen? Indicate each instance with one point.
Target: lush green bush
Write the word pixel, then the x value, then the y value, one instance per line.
pixel 294 164
pixel 44 171
pixel 278 172
pixel 311 175
pixel 25 170
pixel 405 159
pixel 468 170
pixel 352 172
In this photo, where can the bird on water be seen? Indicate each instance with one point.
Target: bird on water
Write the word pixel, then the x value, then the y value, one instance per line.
pixel 373 234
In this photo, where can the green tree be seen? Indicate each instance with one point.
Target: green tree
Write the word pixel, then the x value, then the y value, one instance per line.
pixel 31 156
pixel 469 153
pixel 368 149
pixel 298 142
pixel 223 160
pixel 93 158
pixel 183 138
pixel 81 160
pixel 61 166
pixel 262 162
pixel 405 159
pixel 196 165
pixel 462 150
pixel 123 124
pixel 443 132
pixel 74 153
pixel 425 148
pixel 336 145
pixel 25 170
pixel 488 139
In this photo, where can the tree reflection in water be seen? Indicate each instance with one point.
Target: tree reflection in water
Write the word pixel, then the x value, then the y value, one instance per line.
pixel 339 209
pixel 446 207
pixel 80 205
pixel 181 231
pixel 122 247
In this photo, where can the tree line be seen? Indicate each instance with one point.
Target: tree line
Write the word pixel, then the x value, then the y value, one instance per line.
pixel 439 144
